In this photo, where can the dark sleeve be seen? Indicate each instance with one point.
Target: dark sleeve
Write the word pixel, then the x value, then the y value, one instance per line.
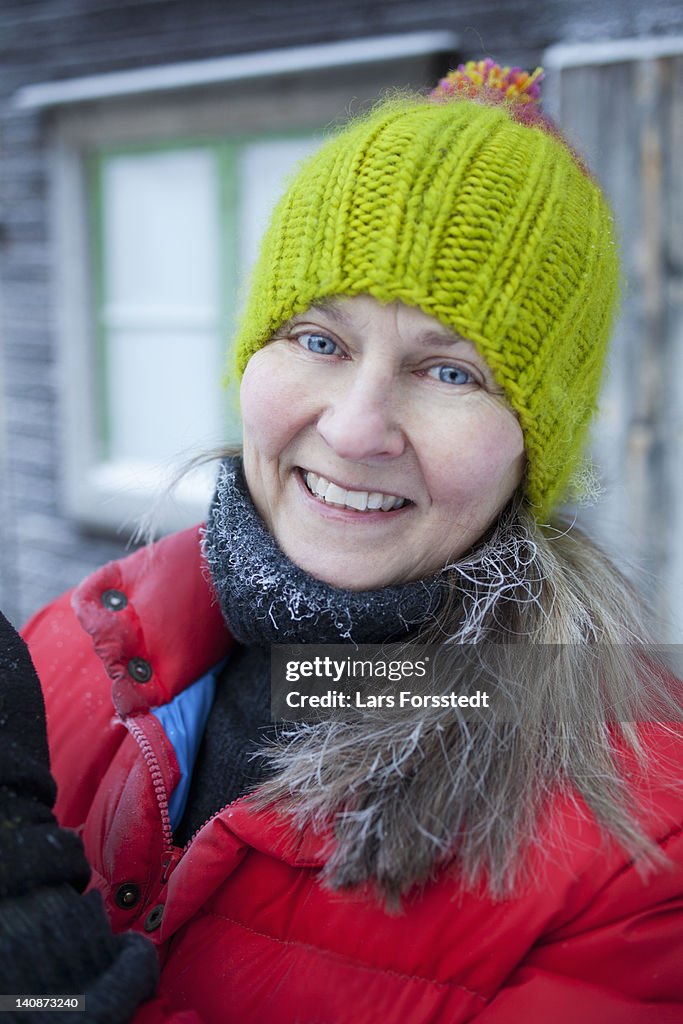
pixel 52 939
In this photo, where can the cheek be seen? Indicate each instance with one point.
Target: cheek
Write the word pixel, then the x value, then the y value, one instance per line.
pixel 268 404
pixel 483 469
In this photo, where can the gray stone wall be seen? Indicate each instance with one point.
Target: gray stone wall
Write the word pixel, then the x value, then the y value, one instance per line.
pixel 42 551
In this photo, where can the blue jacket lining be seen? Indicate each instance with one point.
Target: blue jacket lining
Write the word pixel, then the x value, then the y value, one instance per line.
pixel 184 721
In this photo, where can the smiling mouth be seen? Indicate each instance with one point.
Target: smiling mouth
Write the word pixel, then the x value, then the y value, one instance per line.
pixel 358 501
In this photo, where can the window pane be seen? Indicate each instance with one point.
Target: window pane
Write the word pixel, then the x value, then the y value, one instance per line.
pixel 164 393
pixel 161 229
pixel 161 316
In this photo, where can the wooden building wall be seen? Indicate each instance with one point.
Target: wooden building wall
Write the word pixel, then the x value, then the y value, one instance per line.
pixel 627 117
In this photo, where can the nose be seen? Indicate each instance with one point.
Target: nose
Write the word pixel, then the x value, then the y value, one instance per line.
pixel 360 419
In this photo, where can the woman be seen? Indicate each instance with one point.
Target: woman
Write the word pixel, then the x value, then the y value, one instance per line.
pixel 421 353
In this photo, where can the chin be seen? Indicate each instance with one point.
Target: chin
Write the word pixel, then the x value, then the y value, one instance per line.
pixel 344 576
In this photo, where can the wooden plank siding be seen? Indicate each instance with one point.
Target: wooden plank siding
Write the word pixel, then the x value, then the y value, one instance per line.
pixel 627 119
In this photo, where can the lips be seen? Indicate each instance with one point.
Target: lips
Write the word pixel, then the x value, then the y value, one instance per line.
pixel 359 501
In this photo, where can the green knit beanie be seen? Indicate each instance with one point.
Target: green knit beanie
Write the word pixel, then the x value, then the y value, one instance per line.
pixel 472 208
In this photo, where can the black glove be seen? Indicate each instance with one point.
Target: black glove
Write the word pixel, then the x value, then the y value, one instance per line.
pixel 52 940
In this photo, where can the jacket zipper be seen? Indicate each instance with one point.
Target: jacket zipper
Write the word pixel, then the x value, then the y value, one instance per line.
pixel 171 855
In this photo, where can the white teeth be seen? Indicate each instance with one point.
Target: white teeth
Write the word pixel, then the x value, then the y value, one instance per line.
pixel 360 501
pixel 335 495
pixel 357 500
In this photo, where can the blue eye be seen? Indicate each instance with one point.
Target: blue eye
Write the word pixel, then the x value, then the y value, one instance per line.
pixel 451 375
pixel 318 343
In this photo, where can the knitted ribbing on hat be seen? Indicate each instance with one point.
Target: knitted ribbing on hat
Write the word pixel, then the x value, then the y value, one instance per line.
pixel 487 224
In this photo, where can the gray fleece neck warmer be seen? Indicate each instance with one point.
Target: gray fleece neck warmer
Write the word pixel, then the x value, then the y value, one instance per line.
pixel 267 599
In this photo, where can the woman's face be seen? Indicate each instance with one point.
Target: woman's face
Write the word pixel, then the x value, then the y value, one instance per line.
pixel 377 444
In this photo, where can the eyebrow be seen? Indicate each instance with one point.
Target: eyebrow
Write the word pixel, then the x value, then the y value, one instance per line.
pixel 332 309
pixel 443 337
pixel 427 337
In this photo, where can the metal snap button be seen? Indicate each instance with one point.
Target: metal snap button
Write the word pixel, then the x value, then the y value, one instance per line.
pixel 114 600
pixel 127 895
pixel 153 919
pixel 140 670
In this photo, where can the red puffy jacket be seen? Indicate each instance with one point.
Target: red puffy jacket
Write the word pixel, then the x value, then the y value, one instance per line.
pixel 245 930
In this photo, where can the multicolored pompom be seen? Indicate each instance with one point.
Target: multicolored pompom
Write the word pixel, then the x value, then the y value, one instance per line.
pixel 478 77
